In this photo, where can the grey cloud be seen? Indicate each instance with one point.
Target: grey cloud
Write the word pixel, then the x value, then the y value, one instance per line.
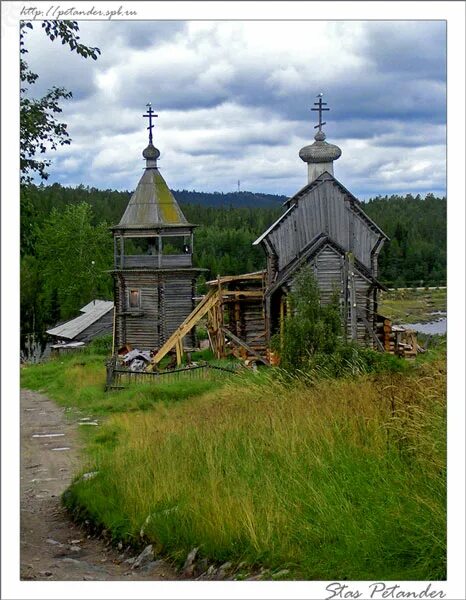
pixel 143 34
pixel 396 106
pixel 417 47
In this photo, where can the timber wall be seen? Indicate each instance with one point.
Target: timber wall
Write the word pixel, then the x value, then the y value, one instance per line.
pixel 166 300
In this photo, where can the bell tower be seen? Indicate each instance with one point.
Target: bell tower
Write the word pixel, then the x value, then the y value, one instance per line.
pixel 153 273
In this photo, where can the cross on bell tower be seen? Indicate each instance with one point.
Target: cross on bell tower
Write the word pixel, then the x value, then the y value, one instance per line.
pixel 320 108
pixel 150 114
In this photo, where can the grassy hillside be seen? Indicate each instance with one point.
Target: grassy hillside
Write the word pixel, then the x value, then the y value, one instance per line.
pixel 336 479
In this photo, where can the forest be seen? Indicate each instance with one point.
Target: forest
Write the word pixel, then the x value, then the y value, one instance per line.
pixel 67 251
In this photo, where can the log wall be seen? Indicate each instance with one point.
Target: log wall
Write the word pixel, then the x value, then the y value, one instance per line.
pixel 166 299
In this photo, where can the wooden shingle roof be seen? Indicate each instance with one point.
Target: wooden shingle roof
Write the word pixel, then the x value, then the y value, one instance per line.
pixel 152 205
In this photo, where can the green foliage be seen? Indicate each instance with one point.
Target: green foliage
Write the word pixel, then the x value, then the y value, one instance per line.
pixel 101 345
pixel 313 345
pixel 336 480
pixel 73 256
pixel 417 228
pixel 311 328
pixel 39 128
pixel 348 360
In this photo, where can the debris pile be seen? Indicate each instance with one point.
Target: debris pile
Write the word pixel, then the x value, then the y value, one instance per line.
pixel 134 360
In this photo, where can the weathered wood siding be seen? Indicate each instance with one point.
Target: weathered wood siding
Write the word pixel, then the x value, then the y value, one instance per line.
pixel 166 300
pixel 329 270
pixel 152 261
pixel 323 209
pixel 101 327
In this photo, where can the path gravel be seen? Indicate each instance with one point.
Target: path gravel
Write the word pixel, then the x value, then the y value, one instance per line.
pixel 52 547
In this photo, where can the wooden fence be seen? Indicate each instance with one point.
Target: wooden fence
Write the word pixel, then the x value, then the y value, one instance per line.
pixel 118 378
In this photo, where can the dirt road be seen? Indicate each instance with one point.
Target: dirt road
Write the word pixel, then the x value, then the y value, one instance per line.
pixel 52 547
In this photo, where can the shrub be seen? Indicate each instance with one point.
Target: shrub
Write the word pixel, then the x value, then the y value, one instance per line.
pixel 101 345
pixel 311 328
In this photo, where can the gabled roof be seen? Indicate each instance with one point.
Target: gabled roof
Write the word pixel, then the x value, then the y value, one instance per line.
pixel 274 225
pixel 152 205
pixel 311 250
pixel 355 203
pixel 92 312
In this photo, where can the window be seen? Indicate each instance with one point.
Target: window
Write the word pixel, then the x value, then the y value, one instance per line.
pixel 134 298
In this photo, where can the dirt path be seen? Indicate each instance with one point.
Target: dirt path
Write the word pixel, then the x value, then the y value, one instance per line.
pixel 52 547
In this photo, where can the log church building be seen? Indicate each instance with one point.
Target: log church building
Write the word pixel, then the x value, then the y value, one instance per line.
pixel 323 225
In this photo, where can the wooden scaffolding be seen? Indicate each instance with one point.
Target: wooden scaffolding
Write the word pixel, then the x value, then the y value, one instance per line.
pixel 234 313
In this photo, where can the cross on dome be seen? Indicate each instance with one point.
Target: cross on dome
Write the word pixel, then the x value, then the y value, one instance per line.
pixel 150 114
pixel 320 108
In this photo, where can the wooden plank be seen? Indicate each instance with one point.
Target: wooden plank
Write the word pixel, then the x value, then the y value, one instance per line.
pixel 239 342
pixel 352 297
pixel 179 351
pixel 238 294
pixel 372 332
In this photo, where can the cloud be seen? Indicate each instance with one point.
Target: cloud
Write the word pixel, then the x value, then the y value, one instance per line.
pixel 234 101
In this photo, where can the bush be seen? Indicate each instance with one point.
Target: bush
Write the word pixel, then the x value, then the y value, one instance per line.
pixel 349 359
pixel 311 328
pixel 313 340
pixel 101 345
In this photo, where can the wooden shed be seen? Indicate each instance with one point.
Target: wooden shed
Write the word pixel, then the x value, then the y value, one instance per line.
pixel 95 320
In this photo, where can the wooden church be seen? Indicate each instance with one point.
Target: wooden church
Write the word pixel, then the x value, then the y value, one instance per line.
pixel 154 278
pixel 324 225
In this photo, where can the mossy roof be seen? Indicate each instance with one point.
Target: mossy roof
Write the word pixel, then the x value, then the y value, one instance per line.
pixel 152 204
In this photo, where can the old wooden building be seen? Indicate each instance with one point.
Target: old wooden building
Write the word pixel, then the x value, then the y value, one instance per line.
pixel 325 226
pixel 154 278
pixel 95 320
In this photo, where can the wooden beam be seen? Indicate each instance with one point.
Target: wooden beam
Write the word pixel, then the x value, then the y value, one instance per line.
pixel 352 297
pixel 239 342
pixel 229 278
pixel 210 299
pixel 236 294
pixel 282 321
pixel 379 344
pixel 179 351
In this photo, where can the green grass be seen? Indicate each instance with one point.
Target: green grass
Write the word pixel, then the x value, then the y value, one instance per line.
pixel 412 306
pixel 329 478
pixel 78 381
pixel 341 479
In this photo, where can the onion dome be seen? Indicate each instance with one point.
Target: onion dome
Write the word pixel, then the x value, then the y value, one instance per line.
pixel 320 151
pixel 151 152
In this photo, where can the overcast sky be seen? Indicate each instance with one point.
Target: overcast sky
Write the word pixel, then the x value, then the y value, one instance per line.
pixel 234 100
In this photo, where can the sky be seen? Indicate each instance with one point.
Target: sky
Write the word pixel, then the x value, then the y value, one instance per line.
pixel 234 100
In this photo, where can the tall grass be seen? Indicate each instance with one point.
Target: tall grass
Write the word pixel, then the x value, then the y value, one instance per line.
pixel 78 381
pixel 341 479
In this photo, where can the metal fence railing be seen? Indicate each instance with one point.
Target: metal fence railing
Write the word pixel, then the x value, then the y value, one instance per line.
pixel 118 378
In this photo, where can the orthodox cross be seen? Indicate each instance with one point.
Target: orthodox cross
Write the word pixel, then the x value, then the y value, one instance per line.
pixel 150 114
pixel 320 108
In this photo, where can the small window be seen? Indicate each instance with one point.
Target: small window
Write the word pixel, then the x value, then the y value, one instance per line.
pixel 135 298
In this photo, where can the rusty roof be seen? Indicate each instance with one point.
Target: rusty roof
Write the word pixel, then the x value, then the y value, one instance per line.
pixel 152 204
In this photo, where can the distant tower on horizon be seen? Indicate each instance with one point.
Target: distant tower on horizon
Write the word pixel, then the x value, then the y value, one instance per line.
pixel 238 185
pixel 154 278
